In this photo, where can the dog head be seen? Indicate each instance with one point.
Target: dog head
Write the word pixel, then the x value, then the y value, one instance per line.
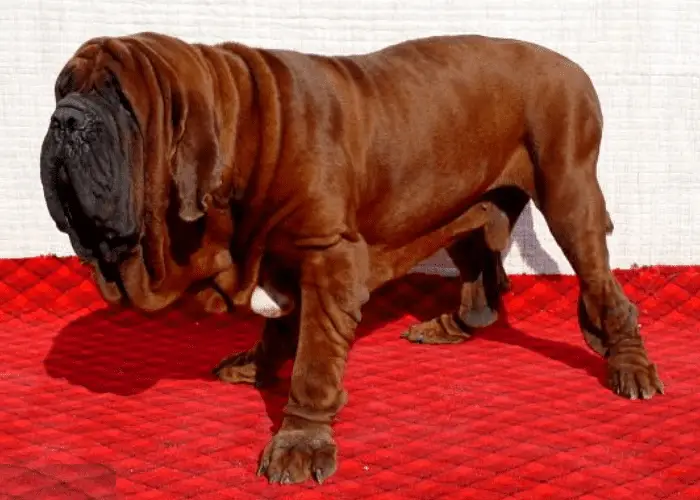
pixel 87 159
pixel 131 152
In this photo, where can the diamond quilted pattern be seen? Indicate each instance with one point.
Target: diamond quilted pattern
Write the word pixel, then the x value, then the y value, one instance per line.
pixel 99 403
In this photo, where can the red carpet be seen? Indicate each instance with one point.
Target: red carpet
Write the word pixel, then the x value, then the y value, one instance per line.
pixel 91 398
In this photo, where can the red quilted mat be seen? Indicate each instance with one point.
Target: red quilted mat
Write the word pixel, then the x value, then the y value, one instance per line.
pixel 98 403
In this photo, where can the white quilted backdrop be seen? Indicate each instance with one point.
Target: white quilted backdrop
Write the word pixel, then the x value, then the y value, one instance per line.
pixel 643 56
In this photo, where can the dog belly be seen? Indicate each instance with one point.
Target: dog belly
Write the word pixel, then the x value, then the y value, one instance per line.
pixel 410 200
pixel 405 214
pixel 388 263
pixel 390 260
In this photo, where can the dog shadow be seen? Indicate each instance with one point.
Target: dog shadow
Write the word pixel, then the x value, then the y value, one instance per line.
pixel 445 294
pixel 530 248
pixel 126 353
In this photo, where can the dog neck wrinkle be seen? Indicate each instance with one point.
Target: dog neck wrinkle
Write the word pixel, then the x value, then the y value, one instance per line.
pixel 259 171
pixel 257 157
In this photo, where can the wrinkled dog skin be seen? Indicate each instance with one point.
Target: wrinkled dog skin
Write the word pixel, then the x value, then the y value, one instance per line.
pixel 85 172
pixel 219 171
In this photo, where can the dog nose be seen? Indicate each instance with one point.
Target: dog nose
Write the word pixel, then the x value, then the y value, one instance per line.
pixel 69 116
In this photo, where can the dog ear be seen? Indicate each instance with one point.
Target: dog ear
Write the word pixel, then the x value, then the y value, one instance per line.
pixel 75 72
pixel 197 162
pixel 69 79
pixel 64 82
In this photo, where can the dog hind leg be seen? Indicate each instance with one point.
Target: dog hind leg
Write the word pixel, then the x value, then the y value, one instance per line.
pixel 570 198
pixel 478 258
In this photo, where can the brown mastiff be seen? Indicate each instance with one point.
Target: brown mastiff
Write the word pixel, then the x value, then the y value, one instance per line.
pixel 228 171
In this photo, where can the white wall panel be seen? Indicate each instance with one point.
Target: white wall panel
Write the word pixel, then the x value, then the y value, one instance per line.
pixel 643 56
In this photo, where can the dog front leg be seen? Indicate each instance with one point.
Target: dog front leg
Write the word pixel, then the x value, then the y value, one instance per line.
pixel 333 290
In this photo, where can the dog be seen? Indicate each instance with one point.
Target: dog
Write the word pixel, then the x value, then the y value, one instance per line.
pixel 242 176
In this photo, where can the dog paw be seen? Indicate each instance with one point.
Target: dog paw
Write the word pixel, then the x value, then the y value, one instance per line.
pixel 441 330
pixel 239 368
pixel 293 456
pixel 634 380
pixel 242 368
